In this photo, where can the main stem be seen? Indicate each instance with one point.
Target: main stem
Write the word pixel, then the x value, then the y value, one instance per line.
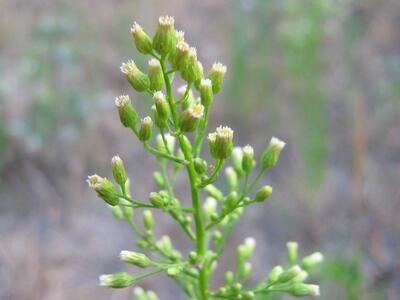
pixel 200 233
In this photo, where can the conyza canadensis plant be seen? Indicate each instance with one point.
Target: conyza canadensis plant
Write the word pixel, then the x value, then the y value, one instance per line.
pixel 180 120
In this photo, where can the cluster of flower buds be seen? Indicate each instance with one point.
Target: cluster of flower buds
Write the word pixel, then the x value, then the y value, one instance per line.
pixel 175 133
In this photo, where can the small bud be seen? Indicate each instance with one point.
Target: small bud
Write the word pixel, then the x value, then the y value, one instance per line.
pixel 193 257
pixel 181 59
pixel 136 78
pixel 249 295
pixel 274 274
pixel 292 250
pixel 160 122
pixel 263 193
pixel 158 178
pixel 117 212
pixel 229 202
pixel 156 76
pixel 231 178
pixel 245 271
pixel 229 278
pixel 311 260
pixel 148 220
pixel 191 117
pixel 151 295
pixel 270 156
pixel 104 189
pixel 185 143
pixel 214 192
pixel 190 100
pixel 157 200
pixel 173 271
pixel 161 105
pixel 209 207
pixel 248 159
pixel 116 280
pixel 220 142
pixel 302 290
pixel 217 74
pixel 236 288
pixel 119 171
pixel 146 127
pixel 138 259
pixel 180 37
pixel 237 158
pixel 143 42
pixel 206 93
pixel 200 165
pixel 289 274
pixel 165 37
pixel 301 277
pixel 170 141
pixel 126 111
pixel 245 251
pixel 193 71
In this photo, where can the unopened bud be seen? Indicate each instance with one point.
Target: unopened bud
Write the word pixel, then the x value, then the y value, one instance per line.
pixel 142 41
pixel 206 93
pixel 249 295
pixel 248 159
pixel 159 180
pixel 165 37
pixel 263 193
pixel 156 76
pixel 193 70
pixel 221 142
pixel 170 141
pixel 119 171
pixel 104 189
pixel 126 111
pixel 231 178
pixel 229 278
pixel 214 192
pixel 136 78
pixel 190 100
pixel 138 259
pixel 116 280
pixel 289 274
pixel 200 165
pixel 209 207
pixel 173 272
pixel 157 200
pixel 191 117
pixel 274 274
pixel 237 158
pixel 302 290
pixel 161 105
pixel 270 156
pixel 292 250
pixel 148 220
pixel 146 128
pixel 217 74
pixel 311 260
pixel 181 59
pixel 245 251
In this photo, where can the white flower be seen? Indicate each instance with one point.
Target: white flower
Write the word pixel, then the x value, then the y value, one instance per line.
pixel 196 111
pixel 314 290
pixel 206 83
pixel 217 67
pixel 147 121
pixel 154 63
pixel 277 143
pixel 224 132
pixel 158 96
pixel 166 21
pixel 248 150
pixel 129 67
pixel 122 100
pixel 94 181
pixel 105 279
pixel 136 29
pixel 180 35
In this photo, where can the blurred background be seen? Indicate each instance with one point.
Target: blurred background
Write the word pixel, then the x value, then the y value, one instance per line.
pixel 322 75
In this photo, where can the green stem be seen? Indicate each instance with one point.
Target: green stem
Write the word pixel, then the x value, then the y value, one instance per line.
pixel 164 155
pixel 213 175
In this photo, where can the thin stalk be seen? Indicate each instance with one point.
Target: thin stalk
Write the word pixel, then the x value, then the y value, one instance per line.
pixel 201 132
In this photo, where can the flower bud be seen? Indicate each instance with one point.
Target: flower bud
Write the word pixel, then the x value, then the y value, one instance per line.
pixel 146 127
pixel 148 220
pixel 216 75
pixel 190 100
pixel 301 277
pixel 118 169
pixel 231 178
pixel 138 259
pixel 289 274
pixel 156 76
pixel 180 37
pixel 245 251
pixel 185 143
pixel 206 93
pixel 237 158
pixel 200 165
pixel 274 274
pixel 229 202
pixel 104 189
pixel 126 111
pixel 116 280
pixel 214 192
pixel 303 290
pixel 173 271
pixel 162 106
pixel 138 80
pixel 170 141
pixel 165 37
pixel 181 59
pixel 220 142
pixel 158 179
pixel 117 212
pixel 292 250
pixel 311 260
pixel 193 71
pixel 160 123
pixel 248 159
pixel 263 193
pixel 209 207
pixel 270 156
pixel 229 278
pixel 157 200
pixel 245 271
pixel 249 295
pixel 143 42
pixel 191 117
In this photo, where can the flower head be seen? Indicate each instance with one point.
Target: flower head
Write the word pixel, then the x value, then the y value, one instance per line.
pixel 217 74
pixel 127 113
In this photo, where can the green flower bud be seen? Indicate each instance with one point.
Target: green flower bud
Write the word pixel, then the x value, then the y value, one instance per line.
pixel 186 144
pixel 200 165
pixel 117 212
pixel 126 111
pixel 214 192
pixel 231 178
pixel 229 278
pixel 173 272
pixel 162 106
pixel 237 158
pixel 302 290
pixel 190 100
pixel 206 93
pixel 138 80
pixel 245 251
pixel 165 37
pixel 220 142
pixel 193 257
pixel 143 42
pixel 292 250
pixel 301 277
pixel 104 189
pixel 217 74
pixel 274 274
pixel 236 288
pixel 190 118
pixel 157 200
pixel 138 259
pixel 146 128
pixel 119 172
pixel 181 59
pixel 151 295
pixel 311 260
pixel 139 293
pixel 263 193
pixel 289 274
pixel 116 280
pixel 270 156
pixel 249 295
pixel 193 70
pixel 180 37
pixel 148 220
pixel 156 76
pixel 160 122
pixel 229 202
pixel 245 271
pixel 209 207
pixel 170 141
pixel 248 159
pixel 158 178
